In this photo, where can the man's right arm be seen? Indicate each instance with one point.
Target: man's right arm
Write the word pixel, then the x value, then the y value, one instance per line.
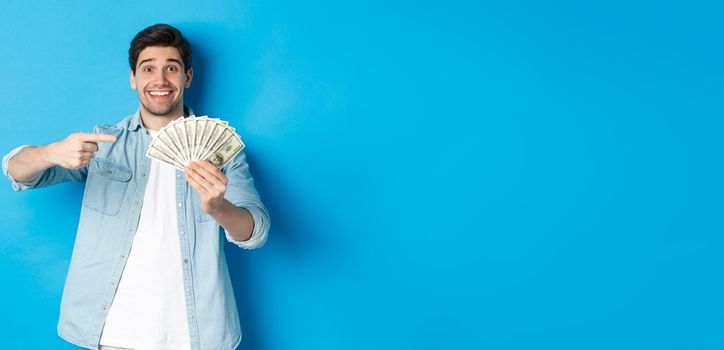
pixel 29 163
pixel 74 152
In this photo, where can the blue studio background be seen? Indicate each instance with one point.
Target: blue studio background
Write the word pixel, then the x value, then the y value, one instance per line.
pixel 462 175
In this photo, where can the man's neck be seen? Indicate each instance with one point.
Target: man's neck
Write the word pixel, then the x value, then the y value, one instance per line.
pixel 155 122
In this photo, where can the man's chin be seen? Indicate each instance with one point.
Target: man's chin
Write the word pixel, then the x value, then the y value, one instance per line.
pixel 161 111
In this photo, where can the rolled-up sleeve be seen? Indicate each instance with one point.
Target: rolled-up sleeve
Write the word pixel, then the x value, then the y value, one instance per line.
pixel 241 192
pixel 17 185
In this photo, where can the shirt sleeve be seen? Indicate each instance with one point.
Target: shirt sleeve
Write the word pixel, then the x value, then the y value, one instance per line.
pixel 241 192
pixel 48 177
pixel 17 185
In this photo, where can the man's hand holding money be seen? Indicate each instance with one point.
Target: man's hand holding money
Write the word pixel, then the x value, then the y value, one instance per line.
pixel 211 183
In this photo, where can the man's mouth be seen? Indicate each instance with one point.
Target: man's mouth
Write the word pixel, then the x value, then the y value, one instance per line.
pixel 159 94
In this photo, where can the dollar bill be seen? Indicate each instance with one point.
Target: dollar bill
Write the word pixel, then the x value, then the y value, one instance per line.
pixel 158 153
pixel 164 137
pixel 226 152
pixel 179 132
pixel 218 131
pixel 195 138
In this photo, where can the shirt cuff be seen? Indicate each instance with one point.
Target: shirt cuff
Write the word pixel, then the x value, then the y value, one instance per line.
pixel 261 227
pixel 17 185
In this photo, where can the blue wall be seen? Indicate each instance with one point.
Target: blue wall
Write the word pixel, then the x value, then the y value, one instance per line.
pixel 506 175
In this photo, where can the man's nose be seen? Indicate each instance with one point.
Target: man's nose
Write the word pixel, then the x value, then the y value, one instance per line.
pixel 160 76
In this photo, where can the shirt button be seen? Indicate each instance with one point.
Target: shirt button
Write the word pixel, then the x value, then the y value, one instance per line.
pixel 179 204
pixel 143 174
pixel 186 261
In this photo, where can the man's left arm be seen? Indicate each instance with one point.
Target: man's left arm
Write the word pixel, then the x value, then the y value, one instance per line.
pixel 232 201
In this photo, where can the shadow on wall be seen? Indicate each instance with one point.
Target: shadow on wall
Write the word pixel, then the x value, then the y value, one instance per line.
pixel 221 61
pixel 292 243
pixel 193 96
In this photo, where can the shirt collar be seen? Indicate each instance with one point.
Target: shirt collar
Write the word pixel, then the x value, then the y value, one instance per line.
pixel 136 118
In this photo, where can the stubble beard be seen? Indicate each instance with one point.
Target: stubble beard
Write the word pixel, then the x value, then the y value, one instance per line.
pixel 160 111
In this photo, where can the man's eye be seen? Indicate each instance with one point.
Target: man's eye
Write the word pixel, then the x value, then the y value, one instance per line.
pixel 147 69
pixel 172 69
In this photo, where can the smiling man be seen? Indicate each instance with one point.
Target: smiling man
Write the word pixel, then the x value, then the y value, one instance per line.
pixel 148 269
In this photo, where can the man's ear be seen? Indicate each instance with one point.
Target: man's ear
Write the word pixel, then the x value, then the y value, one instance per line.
pixel 189 77
pixel 133 79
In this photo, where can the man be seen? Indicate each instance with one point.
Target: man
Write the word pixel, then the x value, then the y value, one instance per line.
pixel 148 269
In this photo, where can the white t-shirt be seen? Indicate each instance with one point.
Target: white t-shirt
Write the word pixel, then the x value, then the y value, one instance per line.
pixel 149 308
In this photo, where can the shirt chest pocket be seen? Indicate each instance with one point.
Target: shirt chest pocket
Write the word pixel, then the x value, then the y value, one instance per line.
pixel 106 186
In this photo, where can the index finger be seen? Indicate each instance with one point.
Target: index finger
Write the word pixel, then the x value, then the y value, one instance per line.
pixel 211 169
pixel 98 138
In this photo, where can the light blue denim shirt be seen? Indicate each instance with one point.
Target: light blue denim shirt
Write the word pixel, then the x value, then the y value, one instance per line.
pixel 115 185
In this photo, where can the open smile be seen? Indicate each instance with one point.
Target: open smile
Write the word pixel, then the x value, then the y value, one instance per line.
pixel 159 95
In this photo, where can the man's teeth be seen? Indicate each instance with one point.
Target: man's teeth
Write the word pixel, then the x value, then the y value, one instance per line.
pixel 159 93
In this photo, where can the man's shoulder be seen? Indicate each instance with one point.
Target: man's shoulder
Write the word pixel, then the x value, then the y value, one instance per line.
pixel 125 122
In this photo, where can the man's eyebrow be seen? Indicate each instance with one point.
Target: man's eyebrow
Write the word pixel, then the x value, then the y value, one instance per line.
pixel 168 60
pixel 146 60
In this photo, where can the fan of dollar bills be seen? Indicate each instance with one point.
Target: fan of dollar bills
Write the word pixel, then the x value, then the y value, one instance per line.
pixel 195 138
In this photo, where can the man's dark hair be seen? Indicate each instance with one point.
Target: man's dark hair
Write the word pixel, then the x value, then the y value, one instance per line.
pixel 162 35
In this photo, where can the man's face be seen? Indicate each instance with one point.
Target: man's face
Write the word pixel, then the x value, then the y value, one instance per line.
pixel 160 81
